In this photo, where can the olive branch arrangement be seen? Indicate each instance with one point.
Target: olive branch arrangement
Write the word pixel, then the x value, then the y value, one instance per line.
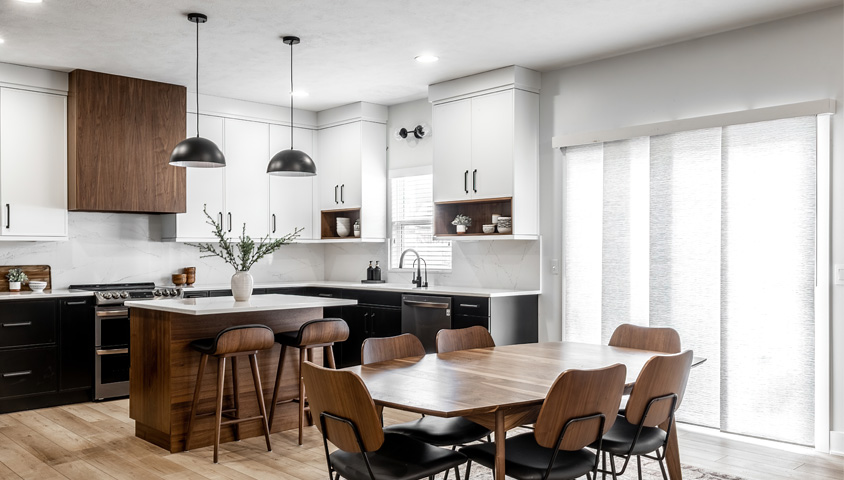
pixel 247 251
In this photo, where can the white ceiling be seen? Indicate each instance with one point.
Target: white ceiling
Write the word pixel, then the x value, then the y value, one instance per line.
pixel 353 50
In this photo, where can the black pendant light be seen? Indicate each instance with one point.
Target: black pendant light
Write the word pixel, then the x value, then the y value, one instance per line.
pixel 197 151
pixel 291 163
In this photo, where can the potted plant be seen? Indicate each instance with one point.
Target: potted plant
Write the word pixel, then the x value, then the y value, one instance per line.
pixel 461 221
pixel 16 278
pixel 241 255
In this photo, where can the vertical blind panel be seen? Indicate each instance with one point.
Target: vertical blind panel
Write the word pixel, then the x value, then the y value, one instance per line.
pixel 624 280
pixel 768 264
pixel 412 210
pixel 685 256
pixel 582 239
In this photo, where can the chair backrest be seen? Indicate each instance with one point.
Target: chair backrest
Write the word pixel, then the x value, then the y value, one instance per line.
pixel 580 393
pixel 658 339
pixel 381 349
pixel 662 375
pixel 243 338
pixel 343 394
pixel 323 331
pixel 463 339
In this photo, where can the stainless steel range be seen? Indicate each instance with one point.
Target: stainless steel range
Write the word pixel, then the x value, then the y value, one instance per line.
pixel 111 332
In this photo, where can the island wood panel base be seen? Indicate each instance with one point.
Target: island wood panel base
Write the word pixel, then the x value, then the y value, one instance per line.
pixel 163 372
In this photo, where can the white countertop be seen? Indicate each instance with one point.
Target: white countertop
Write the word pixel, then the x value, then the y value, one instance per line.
pixel 28 294
pixel 257 303
pixel 386 287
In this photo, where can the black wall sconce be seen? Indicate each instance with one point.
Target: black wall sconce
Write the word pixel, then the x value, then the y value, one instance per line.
pixel 413 135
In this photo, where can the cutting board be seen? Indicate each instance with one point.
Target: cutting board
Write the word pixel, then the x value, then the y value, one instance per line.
pixel 34 272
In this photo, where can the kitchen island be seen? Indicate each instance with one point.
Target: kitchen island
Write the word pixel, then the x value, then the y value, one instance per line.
pixel 163 366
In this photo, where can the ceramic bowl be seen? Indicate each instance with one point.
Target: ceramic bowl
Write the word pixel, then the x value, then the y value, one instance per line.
pixel 37 286
pixel 490 228
pixel 343 230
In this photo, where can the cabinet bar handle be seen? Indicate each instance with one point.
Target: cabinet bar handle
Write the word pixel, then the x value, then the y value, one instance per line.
pixel 466 181
pixel 17 374
pixel 78 302
pixel 273 223
pixel 342 188
pixel 475 180
pixel 335 193
pixel 230 221
pixel 221 218
pixel 114 351
pixel 21 324
pixel 415 303
pixel 329 295
pixel 469 305
pixel 8 216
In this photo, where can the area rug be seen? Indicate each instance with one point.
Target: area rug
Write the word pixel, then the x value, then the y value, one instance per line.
pixel 650 471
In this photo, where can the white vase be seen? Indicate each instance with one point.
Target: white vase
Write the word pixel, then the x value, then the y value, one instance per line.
pixel 461 228
pixel 14 286
pixel 242 286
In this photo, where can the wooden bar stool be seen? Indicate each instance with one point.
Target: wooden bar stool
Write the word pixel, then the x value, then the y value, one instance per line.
pixel 231 343
pixel 321 333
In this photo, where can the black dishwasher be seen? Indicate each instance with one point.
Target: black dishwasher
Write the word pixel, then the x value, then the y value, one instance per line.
pixel 424 316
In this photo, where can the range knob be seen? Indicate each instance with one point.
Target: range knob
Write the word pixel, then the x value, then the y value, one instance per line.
pixel 165 292
pixel 124 294
pixel 156 293
pixel 107 295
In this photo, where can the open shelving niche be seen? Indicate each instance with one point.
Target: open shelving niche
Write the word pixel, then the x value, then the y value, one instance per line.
pixel 480 211
pixel 328 227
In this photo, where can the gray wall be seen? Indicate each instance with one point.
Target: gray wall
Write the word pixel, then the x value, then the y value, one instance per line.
pixel 787 61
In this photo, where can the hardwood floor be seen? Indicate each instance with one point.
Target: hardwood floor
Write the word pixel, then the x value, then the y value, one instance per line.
pixel 96 441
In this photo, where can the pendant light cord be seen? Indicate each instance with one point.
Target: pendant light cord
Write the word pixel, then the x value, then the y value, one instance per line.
pixel 197 79
pixel 291 95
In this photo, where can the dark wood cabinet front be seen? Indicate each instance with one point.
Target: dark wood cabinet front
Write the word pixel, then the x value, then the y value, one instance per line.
pixel 121 132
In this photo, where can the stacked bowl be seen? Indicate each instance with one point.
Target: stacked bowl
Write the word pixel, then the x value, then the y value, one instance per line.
pixel 505 224
pixel 344 226
pixel 37 286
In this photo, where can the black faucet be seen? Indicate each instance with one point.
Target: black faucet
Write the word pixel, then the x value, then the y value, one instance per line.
pixel 418 280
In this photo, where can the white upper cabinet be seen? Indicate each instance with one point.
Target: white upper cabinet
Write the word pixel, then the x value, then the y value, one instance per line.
pixel 204 186
pixel 338 168
pixel 485 136
pixel 292 198
pixel 247 183
pixel 33 165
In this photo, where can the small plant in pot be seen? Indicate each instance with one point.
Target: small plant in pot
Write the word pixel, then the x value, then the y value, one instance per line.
pixel 462 222
pixel 16 278
pixel 241 255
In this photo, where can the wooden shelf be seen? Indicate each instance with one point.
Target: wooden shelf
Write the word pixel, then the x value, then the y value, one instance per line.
pixel 328 222
pixel 480 211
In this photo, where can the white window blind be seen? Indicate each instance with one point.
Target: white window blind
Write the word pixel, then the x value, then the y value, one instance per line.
pixel 710 232
pixel 412 223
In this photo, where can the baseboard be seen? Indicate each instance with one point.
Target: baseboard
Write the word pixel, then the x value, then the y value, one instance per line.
pixel 836 443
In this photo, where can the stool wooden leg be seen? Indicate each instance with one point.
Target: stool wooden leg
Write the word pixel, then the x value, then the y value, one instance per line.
pixel 203 360
pixel 277 382
pixel 302 353
pixel 256 378
pixel 236 392
pixel 328 353
pixel 218 413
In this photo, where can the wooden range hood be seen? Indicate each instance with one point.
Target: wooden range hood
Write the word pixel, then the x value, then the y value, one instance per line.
pixel 120 134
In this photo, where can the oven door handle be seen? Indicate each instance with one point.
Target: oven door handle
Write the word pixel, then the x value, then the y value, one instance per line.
pixel 113 312
pixel 113 351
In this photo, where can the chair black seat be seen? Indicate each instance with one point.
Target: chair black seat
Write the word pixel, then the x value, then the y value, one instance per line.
pixel 527 460
pixel 441 431
pixel 622 433
pixel 208 346
pixel 400 458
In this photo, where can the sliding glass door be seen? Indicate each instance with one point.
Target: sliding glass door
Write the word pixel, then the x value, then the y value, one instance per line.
pixel 711 232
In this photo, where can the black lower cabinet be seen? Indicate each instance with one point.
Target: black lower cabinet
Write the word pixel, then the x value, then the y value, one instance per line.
pixel 46 352
pixel 466 321
pixel 365 322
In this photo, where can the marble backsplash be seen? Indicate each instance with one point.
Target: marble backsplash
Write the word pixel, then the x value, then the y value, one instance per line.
pixel 504 264
pixel 111 247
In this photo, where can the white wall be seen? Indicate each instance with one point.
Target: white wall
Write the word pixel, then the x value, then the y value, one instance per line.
pixel 504 264
pixel 120 247
pixel 787 61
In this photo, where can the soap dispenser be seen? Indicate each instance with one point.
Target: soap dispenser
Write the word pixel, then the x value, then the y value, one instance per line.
pixel 370 272
pixel 376 272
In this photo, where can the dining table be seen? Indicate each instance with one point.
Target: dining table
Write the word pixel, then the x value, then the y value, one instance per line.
pixel 499 387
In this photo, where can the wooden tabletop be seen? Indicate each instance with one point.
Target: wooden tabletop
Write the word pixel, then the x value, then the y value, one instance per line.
pixel 478 381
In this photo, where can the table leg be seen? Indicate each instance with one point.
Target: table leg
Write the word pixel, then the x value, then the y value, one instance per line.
pixel 672 453
pixel 500 435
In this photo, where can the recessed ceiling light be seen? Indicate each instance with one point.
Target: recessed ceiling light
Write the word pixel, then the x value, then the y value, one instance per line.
pixel 2 41
pixel 427 58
